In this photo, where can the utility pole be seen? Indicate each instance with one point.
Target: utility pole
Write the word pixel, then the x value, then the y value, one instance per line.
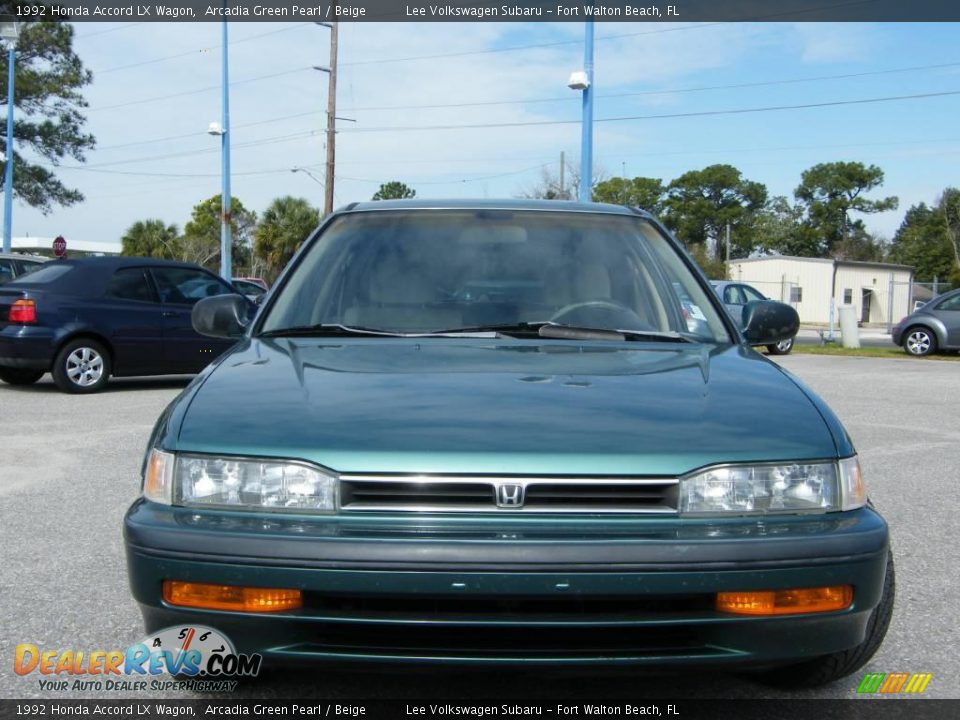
pixel 728 250
pixel 331 122
pixel 586 140
pixel 563 193
pixel 226 241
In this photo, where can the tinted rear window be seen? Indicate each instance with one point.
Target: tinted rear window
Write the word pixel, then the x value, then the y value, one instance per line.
pixel 48 273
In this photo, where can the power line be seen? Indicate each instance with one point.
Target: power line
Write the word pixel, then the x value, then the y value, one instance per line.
pixel 188 53
pixel 195 92
pixel 704 113
pixel 667 91
pixel 83 36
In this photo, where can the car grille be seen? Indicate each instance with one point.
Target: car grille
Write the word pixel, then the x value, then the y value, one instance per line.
pixel 428 493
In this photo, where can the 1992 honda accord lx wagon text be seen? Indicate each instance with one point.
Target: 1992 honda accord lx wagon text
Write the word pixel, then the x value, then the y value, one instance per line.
pixel 486 432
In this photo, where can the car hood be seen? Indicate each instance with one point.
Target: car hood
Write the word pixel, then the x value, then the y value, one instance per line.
pixel 505 406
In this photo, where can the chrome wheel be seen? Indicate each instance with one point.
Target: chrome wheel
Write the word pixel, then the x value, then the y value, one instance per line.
pixel 781 348
pixel 920 341
pixel 84 366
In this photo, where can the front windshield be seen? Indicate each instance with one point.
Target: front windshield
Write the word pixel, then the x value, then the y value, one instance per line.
pixel 421 271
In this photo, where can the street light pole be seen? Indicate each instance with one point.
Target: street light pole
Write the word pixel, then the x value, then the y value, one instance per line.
pixel 226 241
pixel 9 33
pixel 586 131
pixel 331 122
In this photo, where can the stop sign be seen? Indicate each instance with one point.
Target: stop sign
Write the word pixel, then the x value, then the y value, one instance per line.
pixel 59 247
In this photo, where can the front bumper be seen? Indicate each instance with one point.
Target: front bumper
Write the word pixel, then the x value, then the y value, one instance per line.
pixel 487 590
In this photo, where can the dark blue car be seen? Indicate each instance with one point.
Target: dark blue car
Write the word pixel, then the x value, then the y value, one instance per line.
pixel 87 319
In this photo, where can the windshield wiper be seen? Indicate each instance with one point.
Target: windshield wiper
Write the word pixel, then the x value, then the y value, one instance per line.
pixel 328 330
pixel 550 329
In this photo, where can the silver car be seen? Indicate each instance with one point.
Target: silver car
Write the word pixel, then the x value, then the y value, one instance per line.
pixel 933 327
pixel 14 265
pixel 737 294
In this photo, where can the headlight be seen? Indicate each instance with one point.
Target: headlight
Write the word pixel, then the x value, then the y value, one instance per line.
pixel 774 488
pixel 243 484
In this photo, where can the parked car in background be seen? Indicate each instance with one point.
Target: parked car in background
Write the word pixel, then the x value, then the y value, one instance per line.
pixel 13 265
pixel 253 288
pixel 486 432
pixel 735 295
pixel 87 319
pixel 933 327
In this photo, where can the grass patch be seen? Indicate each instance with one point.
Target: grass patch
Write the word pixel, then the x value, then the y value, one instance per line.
pixel 891 352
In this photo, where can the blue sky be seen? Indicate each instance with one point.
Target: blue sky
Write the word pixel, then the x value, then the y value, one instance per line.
pixel 154 158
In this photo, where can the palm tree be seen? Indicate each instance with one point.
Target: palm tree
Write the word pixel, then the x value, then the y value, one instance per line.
pixel 283 226
pixel 152 238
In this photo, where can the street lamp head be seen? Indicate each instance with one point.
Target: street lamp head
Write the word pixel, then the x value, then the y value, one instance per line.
pixel 321 68
pixel 9 29
pixel 216 128
pixel 579 80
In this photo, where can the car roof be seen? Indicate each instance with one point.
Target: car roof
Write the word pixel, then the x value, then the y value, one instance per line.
pixel 113 262
pixel 503 204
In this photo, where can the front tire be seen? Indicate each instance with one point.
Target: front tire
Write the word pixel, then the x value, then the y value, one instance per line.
pixel 920 341
pixel 81 366
pixel 828 668
pixel 20 376
pixel 781 348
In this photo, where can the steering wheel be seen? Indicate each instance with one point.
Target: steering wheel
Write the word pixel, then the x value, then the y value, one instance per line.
pixel 607 305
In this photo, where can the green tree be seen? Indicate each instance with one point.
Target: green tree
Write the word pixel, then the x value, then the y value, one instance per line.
pixel 829 192
pixel 701 203
pixel 48 122
pixel 779 229
pixel 201 235
pixel 949 207
pixel 394 190
pixel 642 192
pixel 923 242
pixel 283 226
pixel 152 238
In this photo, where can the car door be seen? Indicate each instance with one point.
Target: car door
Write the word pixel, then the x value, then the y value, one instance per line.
pixel 733 301
pixel 949 313
pixel 132 310
pixel 184 349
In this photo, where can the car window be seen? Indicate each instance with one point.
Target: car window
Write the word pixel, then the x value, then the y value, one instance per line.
pixel 187 285
pixel 6 271
pixel 48 273
pixel 248 288
pixel 131 284
pixel 750 294
pixel 952 303
pixel 29 266
pixel 732 295
pixel 410 271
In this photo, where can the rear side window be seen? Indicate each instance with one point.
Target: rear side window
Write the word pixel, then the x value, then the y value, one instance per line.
pixel 6 271
pixel 950 303
pixel 131 284
pixel 187 286
pixel 48 273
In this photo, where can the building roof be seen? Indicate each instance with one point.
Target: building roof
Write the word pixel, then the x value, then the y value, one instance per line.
pixel 828 261
pixel 45 245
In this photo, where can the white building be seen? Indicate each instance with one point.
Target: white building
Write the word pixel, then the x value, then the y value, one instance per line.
pixel 44 246
pixel 880 292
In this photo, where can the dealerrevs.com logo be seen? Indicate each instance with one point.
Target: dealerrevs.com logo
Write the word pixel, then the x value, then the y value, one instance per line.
pixel 899 683
pixel 199 658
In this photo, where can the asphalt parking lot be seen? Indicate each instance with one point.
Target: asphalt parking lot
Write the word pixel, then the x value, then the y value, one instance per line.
pixel 69 468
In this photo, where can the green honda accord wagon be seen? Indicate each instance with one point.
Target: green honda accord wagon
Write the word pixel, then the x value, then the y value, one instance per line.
pixel 508 432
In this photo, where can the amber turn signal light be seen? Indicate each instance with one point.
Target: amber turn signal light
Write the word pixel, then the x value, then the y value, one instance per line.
pixel 786 602
pixel 230 597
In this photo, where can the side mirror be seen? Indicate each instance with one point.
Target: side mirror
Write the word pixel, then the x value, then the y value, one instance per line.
pixel 767 321
pixel 221 316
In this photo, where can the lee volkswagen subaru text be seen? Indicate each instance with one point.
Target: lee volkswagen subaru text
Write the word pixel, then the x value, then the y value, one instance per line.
pixel 487 432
